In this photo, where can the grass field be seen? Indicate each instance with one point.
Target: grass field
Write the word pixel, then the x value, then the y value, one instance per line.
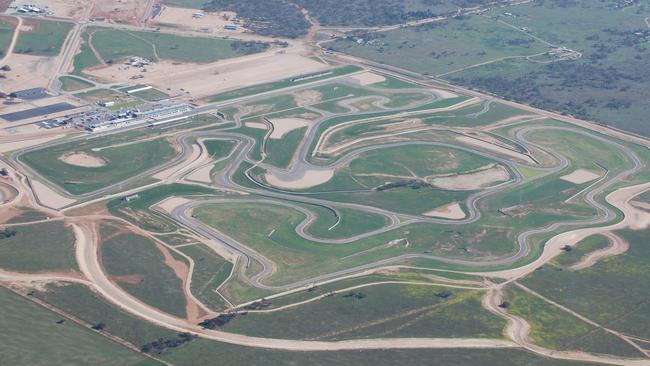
pixel 553 328
pixel 204 353
pixel 614 291
pixel 71 84
pixel 31 336
pixel 583 248
pixel 6 33
pixel 210 270
pixel 281 151
pixel 115 45
pixel 139 267
pixel 352 222
pixel 193 4
pixel 85 304
pixel 378 311
pixel 121 162
pixel 85 58
pixel 219 148
pixel 39 247
pixel 441 47
pixel 44 39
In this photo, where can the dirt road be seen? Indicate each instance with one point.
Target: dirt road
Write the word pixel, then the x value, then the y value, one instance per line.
pixel 12 45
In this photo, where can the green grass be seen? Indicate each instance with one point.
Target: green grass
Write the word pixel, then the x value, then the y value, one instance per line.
pixel 151 95
pixel 31 336
pixel 45 38
pixel 352 222
pixel 70 84
pixel 86 305
pixel 440 47
pixel 584 247
pixel 210 270
pixel 122 162
pixel 152 281
pixel 192 4
pixel 99 95
pixel 219 148
pixel 553 328
pixel 90 307
pixel 85 58
pixel 6 34
pixel 378 311
pixel 39 248
pixel 613 292
pixel 196 49
pixel 204 353
pixel 281 151
pixel 114 45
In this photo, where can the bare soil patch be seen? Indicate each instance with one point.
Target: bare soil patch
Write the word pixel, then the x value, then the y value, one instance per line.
pixel 129 11
pixel 209 23
pixel 257 125
pixel 282 126
pixel 307 97
pixel 73 9
pixel 200 80
pixel 49 197
pixel 367 78
pixel 82 159
pixel 449 211
pixel 130 279
pixel 482 178
pixel 171 203
pixel 28 71
pixel 309 178
pixel 580 176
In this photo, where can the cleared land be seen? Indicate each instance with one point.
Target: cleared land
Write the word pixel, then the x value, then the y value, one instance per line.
pixel 64 344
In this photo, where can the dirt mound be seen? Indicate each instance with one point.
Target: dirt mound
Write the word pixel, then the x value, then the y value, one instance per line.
pixel 82 159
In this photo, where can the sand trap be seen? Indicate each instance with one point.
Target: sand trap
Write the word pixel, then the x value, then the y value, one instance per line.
pixel 580 176
pixel 309 178
pixel 495 148
pixel 258 125
pixel 202 174
pixel 169 204
pixel 482 178
pixel 82 159
pixel 444 94
pixel 307 97
pixel 283 125
pixel 49 197
pixel 449 211
pixel 367 78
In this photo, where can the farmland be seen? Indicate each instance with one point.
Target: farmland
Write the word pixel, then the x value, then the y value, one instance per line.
pixel 44 39
pixel 66 343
